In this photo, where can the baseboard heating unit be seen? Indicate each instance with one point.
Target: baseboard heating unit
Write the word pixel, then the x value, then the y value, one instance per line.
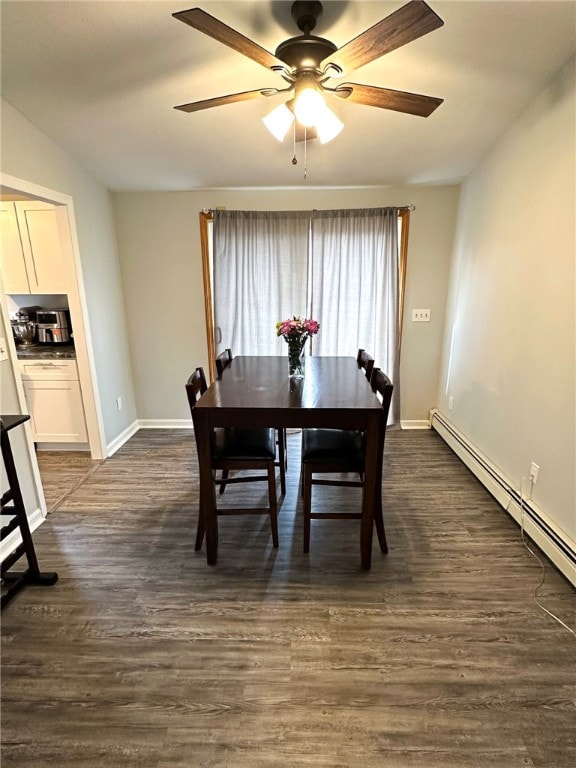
pixel 537 525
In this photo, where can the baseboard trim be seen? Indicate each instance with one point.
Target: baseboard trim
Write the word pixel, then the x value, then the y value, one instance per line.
pixel 558 547
pixel 415 424
pixel 63 447
pixel 122 438
pixel 165 423
pixel 15 538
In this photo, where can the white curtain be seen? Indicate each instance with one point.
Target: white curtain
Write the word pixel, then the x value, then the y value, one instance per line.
pixel 338 267
pixel 260 265
pixel 355 286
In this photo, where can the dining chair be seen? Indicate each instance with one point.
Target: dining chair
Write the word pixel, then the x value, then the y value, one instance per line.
pixel 366 362
pixel 247 449
pixel 222 361
pixel 332 451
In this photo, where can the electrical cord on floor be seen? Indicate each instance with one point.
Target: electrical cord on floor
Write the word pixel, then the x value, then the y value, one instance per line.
pixel 534 555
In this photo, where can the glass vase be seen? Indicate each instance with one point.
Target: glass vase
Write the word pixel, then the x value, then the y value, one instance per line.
pixel 296 358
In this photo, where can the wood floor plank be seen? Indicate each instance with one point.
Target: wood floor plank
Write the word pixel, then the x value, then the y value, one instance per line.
pixel 142 655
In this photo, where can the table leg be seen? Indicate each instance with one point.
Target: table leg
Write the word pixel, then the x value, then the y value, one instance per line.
pixel 207 491
pixel 370 491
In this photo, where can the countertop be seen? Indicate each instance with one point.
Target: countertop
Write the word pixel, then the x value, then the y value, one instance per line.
pixel 46 352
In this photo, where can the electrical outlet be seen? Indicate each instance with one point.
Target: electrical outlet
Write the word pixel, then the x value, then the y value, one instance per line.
pixel 450 403
pixel 3 350
pixel 119 403
pixel 420 315
pixel 533 476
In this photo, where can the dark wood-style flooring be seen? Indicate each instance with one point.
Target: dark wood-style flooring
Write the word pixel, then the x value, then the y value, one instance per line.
pixel 142 655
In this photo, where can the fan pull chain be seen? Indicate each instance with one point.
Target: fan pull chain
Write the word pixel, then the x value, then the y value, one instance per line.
pixel 294 160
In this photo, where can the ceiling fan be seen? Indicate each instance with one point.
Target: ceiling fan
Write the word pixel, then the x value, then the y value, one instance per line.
pixel 307 62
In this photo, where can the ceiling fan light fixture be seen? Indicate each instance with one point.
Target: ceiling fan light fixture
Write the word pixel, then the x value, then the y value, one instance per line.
pixel 328 125
pixel 309 105
pixel 279 121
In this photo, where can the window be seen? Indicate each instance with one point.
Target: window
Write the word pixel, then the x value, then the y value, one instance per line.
pixel 344 268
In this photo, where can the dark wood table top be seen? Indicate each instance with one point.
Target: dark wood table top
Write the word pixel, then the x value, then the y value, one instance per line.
pixel 334 392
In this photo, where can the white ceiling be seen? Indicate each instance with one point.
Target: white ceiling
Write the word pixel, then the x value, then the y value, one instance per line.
pixel 101 80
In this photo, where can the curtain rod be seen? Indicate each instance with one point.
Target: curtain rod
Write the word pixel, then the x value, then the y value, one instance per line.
pixel 411 207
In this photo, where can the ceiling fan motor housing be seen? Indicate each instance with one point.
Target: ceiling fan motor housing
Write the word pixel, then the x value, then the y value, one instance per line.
pixel 305 52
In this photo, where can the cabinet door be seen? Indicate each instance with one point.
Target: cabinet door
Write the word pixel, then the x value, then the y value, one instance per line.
pixel 12 264
pixel 42 248
pixel 56 411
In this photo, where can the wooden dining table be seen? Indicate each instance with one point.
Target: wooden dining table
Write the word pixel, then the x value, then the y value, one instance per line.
pixel 256 391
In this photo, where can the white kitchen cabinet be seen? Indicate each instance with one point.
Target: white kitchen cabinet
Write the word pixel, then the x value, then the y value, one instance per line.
pixel 12 265
pixel 54 401
pixel 32 259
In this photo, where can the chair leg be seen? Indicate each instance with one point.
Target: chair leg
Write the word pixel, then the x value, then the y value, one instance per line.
pixel 379 521
pixel 273 502
pixel 282 459
pixel 199 533
pixel 306 504
pixel 223 480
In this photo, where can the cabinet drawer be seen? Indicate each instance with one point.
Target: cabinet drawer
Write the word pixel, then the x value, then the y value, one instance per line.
pixel 49 370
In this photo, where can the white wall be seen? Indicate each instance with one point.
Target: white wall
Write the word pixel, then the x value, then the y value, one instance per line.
pixel 509 347
pixel 159 246
pixel 28 154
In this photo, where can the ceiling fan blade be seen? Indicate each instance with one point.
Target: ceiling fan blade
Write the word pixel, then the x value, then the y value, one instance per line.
pixel 404 25
pixel 385 98
pixel 196 106
pixel 216 29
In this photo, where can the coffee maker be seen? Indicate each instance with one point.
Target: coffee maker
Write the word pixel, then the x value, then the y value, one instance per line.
pixel 54 326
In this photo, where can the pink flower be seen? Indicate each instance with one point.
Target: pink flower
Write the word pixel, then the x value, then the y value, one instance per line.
pixel 297 327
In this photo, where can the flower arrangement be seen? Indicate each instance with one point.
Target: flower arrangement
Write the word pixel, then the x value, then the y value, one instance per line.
pixel 297 327
pixel 296 332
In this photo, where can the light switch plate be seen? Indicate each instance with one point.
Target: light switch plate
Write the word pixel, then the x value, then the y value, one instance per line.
pixel 3 350
pixel 420 315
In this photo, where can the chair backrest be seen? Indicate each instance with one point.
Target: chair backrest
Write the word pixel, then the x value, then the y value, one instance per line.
pixel 195 387
pixel 366 362
pixel 223 360
pixel 382 385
